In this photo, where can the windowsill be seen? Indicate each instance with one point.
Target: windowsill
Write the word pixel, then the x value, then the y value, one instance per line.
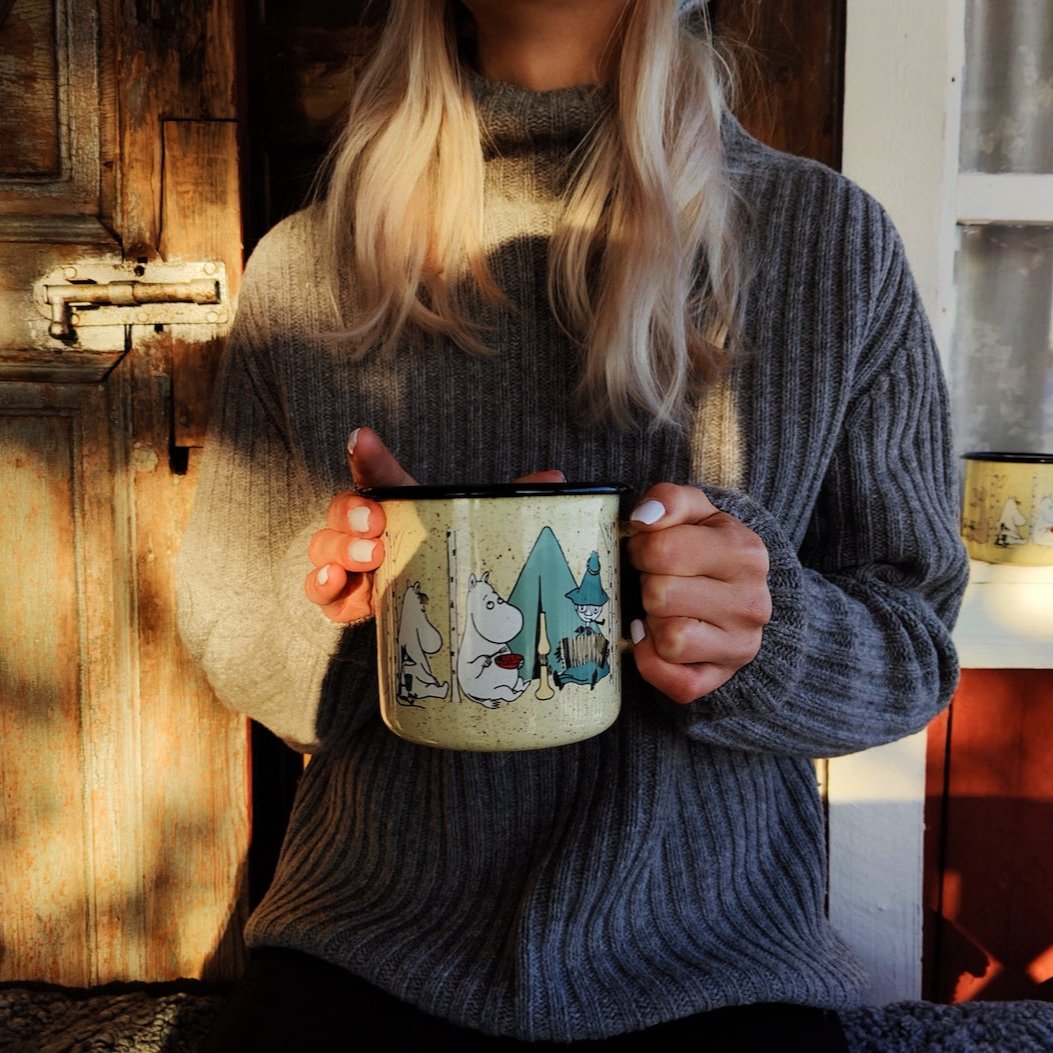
pixel 1006 621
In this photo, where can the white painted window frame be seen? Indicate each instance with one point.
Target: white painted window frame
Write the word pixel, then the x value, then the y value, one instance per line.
pixel 903 71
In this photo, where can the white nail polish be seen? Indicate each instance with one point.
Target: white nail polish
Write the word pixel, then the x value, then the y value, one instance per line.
pixel 352 439
pixel 361 551
pixel 358 517
pixel 322 577
pixel 647 513
pixel 636 630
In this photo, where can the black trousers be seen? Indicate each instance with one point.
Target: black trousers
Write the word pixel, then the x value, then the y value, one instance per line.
pixel 292 1002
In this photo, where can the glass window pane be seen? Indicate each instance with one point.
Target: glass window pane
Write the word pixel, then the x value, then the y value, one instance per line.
pixel 1007 99
pixel 1002 366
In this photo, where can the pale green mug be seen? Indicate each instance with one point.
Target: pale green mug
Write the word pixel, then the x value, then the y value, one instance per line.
pixel 498 613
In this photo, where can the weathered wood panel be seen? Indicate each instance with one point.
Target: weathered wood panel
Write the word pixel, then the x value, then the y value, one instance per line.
pixel 194 753
pixel 30 76
pixel 178 69
pixel 175 62
pixel 69 865
pixel 200 219
pixel 40 703
pixel 196 843
pixel 56 134
pixel 56 177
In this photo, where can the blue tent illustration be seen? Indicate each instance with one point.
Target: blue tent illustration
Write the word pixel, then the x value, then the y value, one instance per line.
pixel 578 652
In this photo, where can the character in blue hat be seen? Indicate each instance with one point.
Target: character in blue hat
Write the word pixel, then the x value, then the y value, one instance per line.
pixel 589 597
pixel 585 658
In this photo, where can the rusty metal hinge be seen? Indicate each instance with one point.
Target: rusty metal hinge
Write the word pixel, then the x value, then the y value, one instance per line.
pixel 129 293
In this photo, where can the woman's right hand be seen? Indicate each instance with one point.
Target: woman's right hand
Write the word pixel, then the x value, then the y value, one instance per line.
pixel 349 549
pixel 345 553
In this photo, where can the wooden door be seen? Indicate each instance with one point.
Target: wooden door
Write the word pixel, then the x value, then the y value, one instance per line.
pixel 123 785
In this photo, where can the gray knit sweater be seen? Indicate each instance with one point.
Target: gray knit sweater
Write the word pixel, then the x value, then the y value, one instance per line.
pixel 675 862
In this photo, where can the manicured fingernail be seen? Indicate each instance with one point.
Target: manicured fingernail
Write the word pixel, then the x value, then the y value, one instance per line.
pixel 351 440
pixel 322 577
pixel 636 630
pixel 647 513
pixel 361 551
pixel 358 517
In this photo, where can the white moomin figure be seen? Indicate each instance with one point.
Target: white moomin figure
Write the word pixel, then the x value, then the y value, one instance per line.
pixel 418 639
pixel 1009 524
pixel 1042 530
pixel 487 670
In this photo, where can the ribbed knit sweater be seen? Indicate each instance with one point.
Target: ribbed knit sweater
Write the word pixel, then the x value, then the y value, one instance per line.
pixel 674 863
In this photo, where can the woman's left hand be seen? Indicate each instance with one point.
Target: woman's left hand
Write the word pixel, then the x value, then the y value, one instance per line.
pixel 704 586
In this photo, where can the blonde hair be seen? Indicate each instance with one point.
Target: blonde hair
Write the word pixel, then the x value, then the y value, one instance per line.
pixel 644 268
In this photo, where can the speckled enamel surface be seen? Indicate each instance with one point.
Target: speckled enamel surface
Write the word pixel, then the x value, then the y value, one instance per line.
pixel 498 620
pixel 1007 514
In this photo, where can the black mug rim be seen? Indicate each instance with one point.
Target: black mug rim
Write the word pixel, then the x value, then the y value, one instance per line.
pixel 1007 457
pixel 455 490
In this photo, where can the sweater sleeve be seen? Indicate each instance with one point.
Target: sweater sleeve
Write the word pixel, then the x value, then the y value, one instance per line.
pixel 859 651
pixel 242 612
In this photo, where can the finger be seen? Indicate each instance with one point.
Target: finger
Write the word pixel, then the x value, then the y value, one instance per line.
pixel 372 463
pixel 343 597
pixel 355 604
pixel 325 583
pixel 353 553
pixel 681 683
pixel 731 605
pixel 690 641
pixel 719 547
pixel 352 513
pixel 685 550
pixel 549 475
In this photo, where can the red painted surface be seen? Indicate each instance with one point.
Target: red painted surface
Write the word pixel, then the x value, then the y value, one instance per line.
pixel 989 840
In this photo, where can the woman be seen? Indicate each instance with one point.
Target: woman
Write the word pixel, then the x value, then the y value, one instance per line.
pixel 546 244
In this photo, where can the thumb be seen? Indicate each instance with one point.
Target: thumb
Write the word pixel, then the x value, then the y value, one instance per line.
pixel 372 463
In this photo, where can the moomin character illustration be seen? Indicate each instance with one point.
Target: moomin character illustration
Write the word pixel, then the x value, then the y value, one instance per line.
pixel 1042 531
pixel 1009 524
pixel 418 639
pixel 487 669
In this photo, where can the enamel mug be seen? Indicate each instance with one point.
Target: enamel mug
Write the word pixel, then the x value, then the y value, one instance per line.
pixel 1007 507
pixel 498 613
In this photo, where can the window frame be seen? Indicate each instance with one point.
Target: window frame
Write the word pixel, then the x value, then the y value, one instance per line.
pixel 904 64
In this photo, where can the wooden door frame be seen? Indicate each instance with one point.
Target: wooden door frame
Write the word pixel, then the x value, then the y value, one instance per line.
pixel 124 796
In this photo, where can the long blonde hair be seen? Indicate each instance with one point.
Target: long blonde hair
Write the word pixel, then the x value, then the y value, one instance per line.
pixel 644 269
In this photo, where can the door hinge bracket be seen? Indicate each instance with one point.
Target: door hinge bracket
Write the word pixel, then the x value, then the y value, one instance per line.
pixel 130 293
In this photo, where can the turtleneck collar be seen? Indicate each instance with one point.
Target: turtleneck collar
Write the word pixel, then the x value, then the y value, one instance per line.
pixel 510 115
